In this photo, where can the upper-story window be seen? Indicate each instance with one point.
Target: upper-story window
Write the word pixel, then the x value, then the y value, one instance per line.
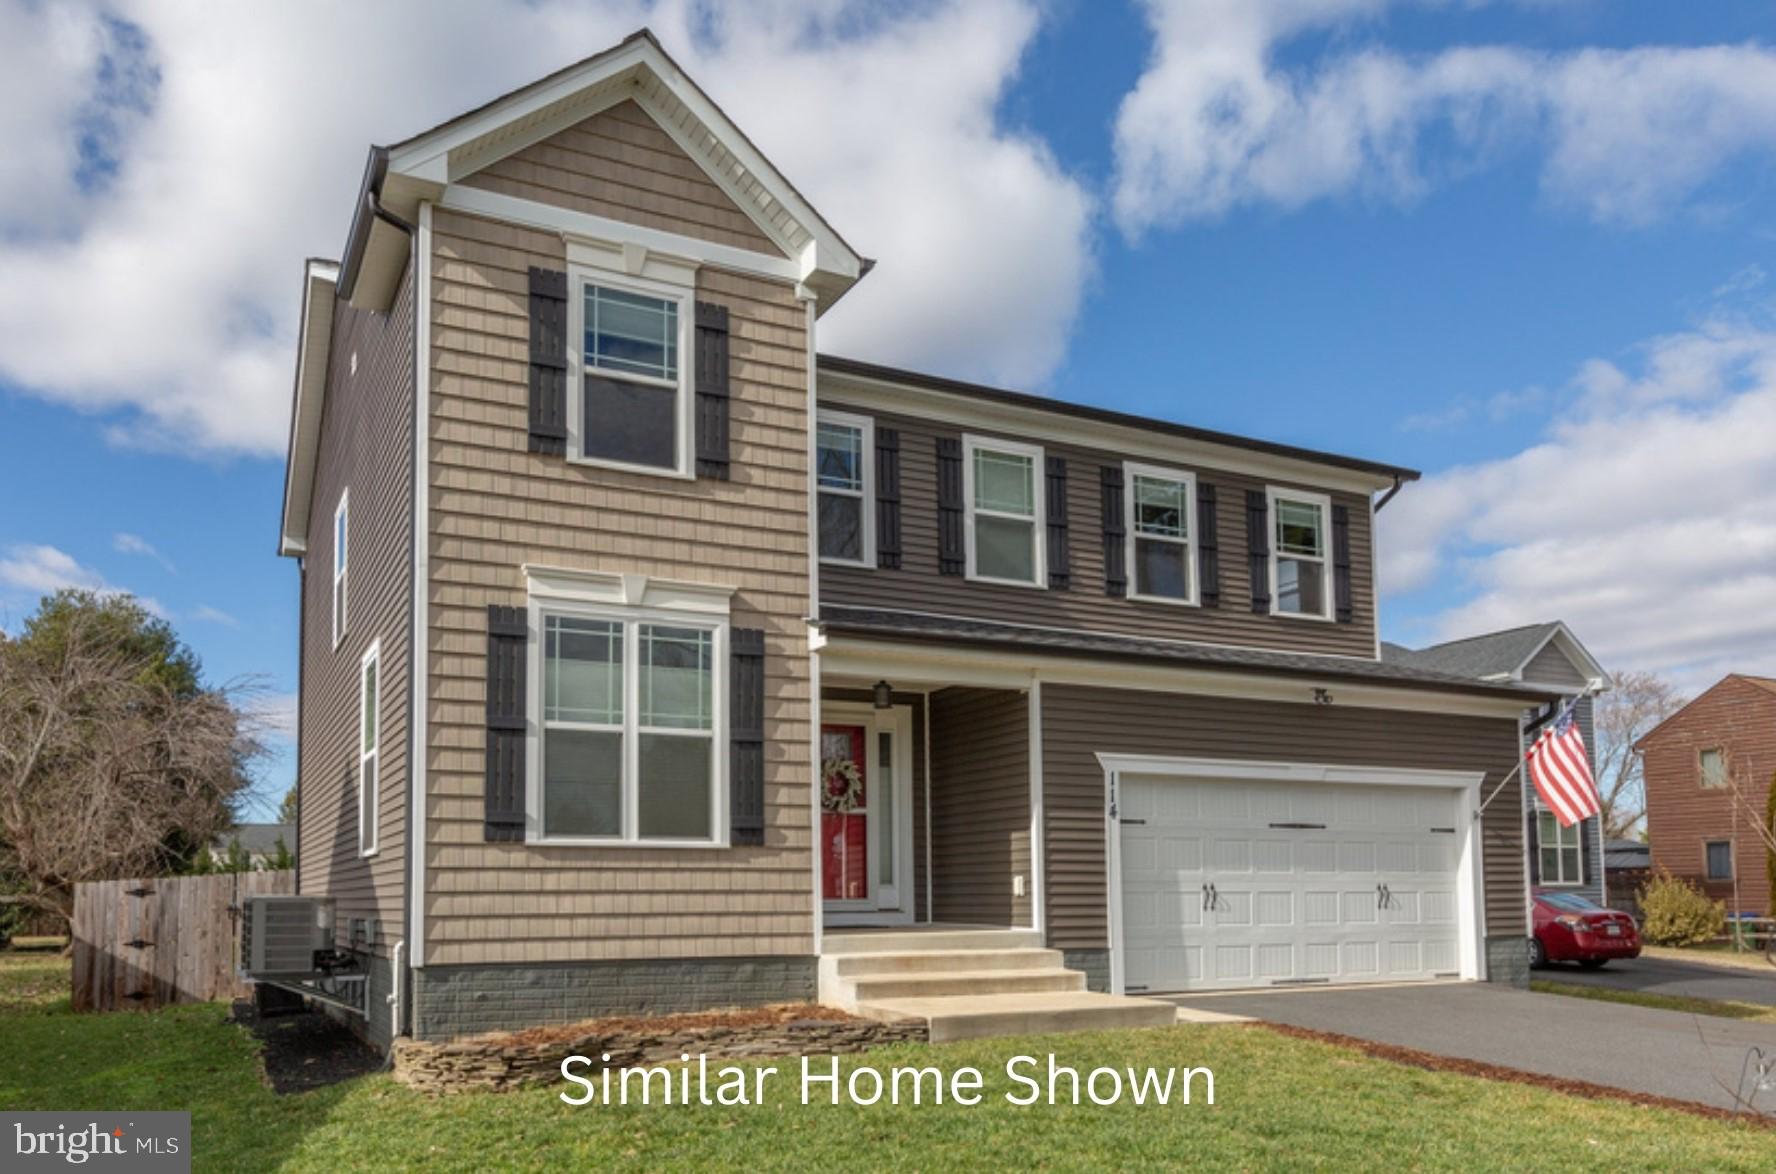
pixel 1005 522
pixel 1161 504
pixel 844 466
pixel 341 533
pixel 1712 766
pixel 1299 565
pixel 632 404
pixel 1561 860
pixel 369 747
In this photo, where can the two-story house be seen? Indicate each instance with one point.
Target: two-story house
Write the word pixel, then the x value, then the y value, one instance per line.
pixel 1709 769
pixel 649 657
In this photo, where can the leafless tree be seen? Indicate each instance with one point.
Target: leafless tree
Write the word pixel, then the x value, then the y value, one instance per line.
pixel 1634 704
pixel 107 769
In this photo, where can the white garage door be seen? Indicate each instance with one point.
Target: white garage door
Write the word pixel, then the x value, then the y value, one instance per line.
pixel 1249 884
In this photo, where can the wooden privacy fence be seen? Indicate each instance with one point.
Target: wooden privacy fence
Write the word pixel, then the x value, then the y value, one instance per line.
pixel 148 943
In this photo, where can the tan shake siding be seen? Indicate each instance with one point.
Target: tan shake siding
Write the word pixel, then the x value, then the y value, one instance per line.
pixel 1078 722
pixel 980 805
pixel 918 585
pixel 1682 816
pixel 916 703
pixel 620 164
pixel 496 506
pixel 1550 666
pixel 367 444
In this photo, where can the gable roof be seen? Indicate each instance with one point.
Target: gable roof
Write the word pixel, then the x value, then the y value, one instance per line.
pixel 1730 681
pixel 638 69
pixel 1498 656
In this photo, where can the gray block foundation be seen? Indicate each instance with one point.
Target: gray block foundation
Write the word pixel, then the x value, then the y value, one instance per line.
pixel 1507 961
pixel 451 1001
pixel 1094 963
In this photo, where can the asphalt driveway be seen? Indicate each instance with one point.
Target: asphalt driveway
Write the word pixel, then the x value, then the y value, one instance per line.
pixel 1661 1053
pixel 1663 976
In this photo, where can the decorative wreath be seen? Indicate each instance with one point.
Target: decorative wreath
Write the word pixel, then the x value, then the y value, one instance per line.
pixel 841 785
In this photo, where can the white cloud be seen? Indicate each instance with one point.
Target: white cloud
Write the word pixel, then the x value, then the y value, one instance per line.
pixel 135 544
pixel 39 569
pixel 167 169
pixel 1217 122
pixel 214 615
pixel 275 713
pixel 1645 516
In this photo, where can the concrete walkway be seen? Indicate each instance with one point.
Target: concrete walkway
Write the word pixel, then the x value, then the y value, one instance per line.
pixel 1662 976
pixel 1659 1053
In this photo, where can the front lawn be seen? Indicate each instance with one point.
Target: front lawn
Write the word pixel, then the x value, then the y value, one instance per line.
pixel 1713 954
pixel 1281 1102
pixel 1723 1008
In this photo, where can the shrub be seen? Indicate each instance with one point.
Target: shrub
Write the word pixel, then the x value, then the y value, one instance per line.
pixel 1677 913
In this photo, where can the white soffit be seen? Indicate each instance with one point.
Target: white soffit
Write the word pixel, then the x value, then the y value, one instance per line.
pixel 313 352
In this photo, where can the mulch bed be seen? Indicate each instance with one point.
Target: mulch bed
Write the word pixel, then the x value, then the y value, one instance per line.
pixel 306 1051
pixel 772 1016
pixel 1576 1088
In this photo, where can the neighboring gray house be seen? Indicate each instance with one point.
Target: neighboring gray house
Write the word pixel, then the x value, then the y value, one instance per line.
pixel 259 839
pixel 1549 656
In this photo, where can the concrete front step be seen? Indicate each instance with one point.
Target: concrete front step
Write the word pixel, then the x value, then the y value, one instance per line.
pixel 926 961
pixel 847 942
pixel 1031 1013
pixel 965 982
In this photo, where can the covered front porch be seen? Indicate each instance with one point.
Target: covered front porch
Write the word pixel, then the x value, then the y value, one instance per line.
pixel 926 807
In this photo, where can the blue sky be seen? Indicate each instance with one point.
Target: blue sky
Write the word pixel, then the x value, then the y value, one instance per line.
pixel 1524 247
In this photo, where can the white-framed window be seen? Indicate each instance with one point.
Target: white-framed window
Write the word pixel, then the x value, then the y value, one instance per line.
pixel 1711 768
pixel 341 552
pixel 1161 509
pixel 1718 859
pixel 369 747
pixel 628 708
pixel 1002 492
pixel 1561 851
pixel 845 475
pixel 629 371
pixel 1300 566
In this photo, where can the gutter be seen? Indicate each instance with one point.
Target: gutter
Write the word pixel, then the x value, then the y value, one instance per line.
pixel 1399 484
pixel 370 210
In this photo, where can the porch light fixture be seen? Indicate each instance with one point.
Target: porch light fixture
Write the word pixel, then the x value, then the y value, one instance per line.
pixel 884 695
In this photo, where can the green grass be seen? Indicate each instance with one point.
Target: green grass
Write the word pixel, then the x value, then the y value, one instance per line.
pixel 1722 1008
pixel 1281 1103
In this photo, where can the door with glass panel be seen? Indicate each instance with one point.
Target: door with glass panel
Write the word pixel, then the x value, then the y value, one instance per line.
pixel 865 833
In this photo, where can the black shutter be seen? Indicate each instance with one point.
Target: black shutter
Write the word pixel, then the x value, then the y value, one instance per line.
pixel 1060 561
pixel 1258 548
pixel 1208 548
pixel 712 390
pixel 888 499
pixel 548 361
pixel 1341 562
pixel 507 641
pixel 1115 564
pixel 746 736
pixel 951 556
pixel 1587 858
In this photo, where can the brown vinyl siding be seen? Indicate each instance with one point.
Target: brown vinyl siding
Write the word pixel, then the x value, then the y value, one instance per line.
pixel 1550 666
pixel 980 805
pixel 620 164
pixel 366 444
pixel 916 703
pixel 1078 722
pixel 918 586
pixel 1739 717
pixel 495 506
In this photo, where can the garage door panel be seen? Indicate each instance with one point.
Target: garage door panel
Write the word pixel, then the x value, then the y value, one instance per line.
pixel 1355 887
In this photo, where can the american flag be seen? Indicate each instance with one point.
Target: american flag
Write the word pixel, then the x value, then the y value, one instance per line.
pixel 1561 772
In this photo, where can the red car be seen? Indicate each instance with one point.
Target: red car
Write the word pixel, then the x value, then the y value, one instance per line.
pixel 1571 928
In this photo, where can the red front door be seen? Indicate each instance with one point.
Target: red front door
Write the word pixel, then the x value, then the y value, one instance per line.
pixel 844 813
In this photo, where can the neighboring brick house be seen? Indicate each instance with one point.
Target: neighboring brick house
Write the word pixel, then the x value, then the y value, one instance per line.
pixel 1550 657
pixel 1696 828
pixel 645 650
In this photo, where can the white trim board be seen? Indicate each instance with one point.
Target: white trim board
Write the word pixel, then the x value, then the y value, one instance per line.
pixel 1470 869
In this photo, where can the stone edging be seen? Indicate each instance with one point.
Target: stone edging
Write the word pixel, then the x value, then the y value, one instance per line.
pixel 494 1063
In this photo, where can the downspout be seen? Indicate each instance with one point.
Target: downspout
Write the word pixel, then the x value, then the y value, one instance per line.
pixel 1399 484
